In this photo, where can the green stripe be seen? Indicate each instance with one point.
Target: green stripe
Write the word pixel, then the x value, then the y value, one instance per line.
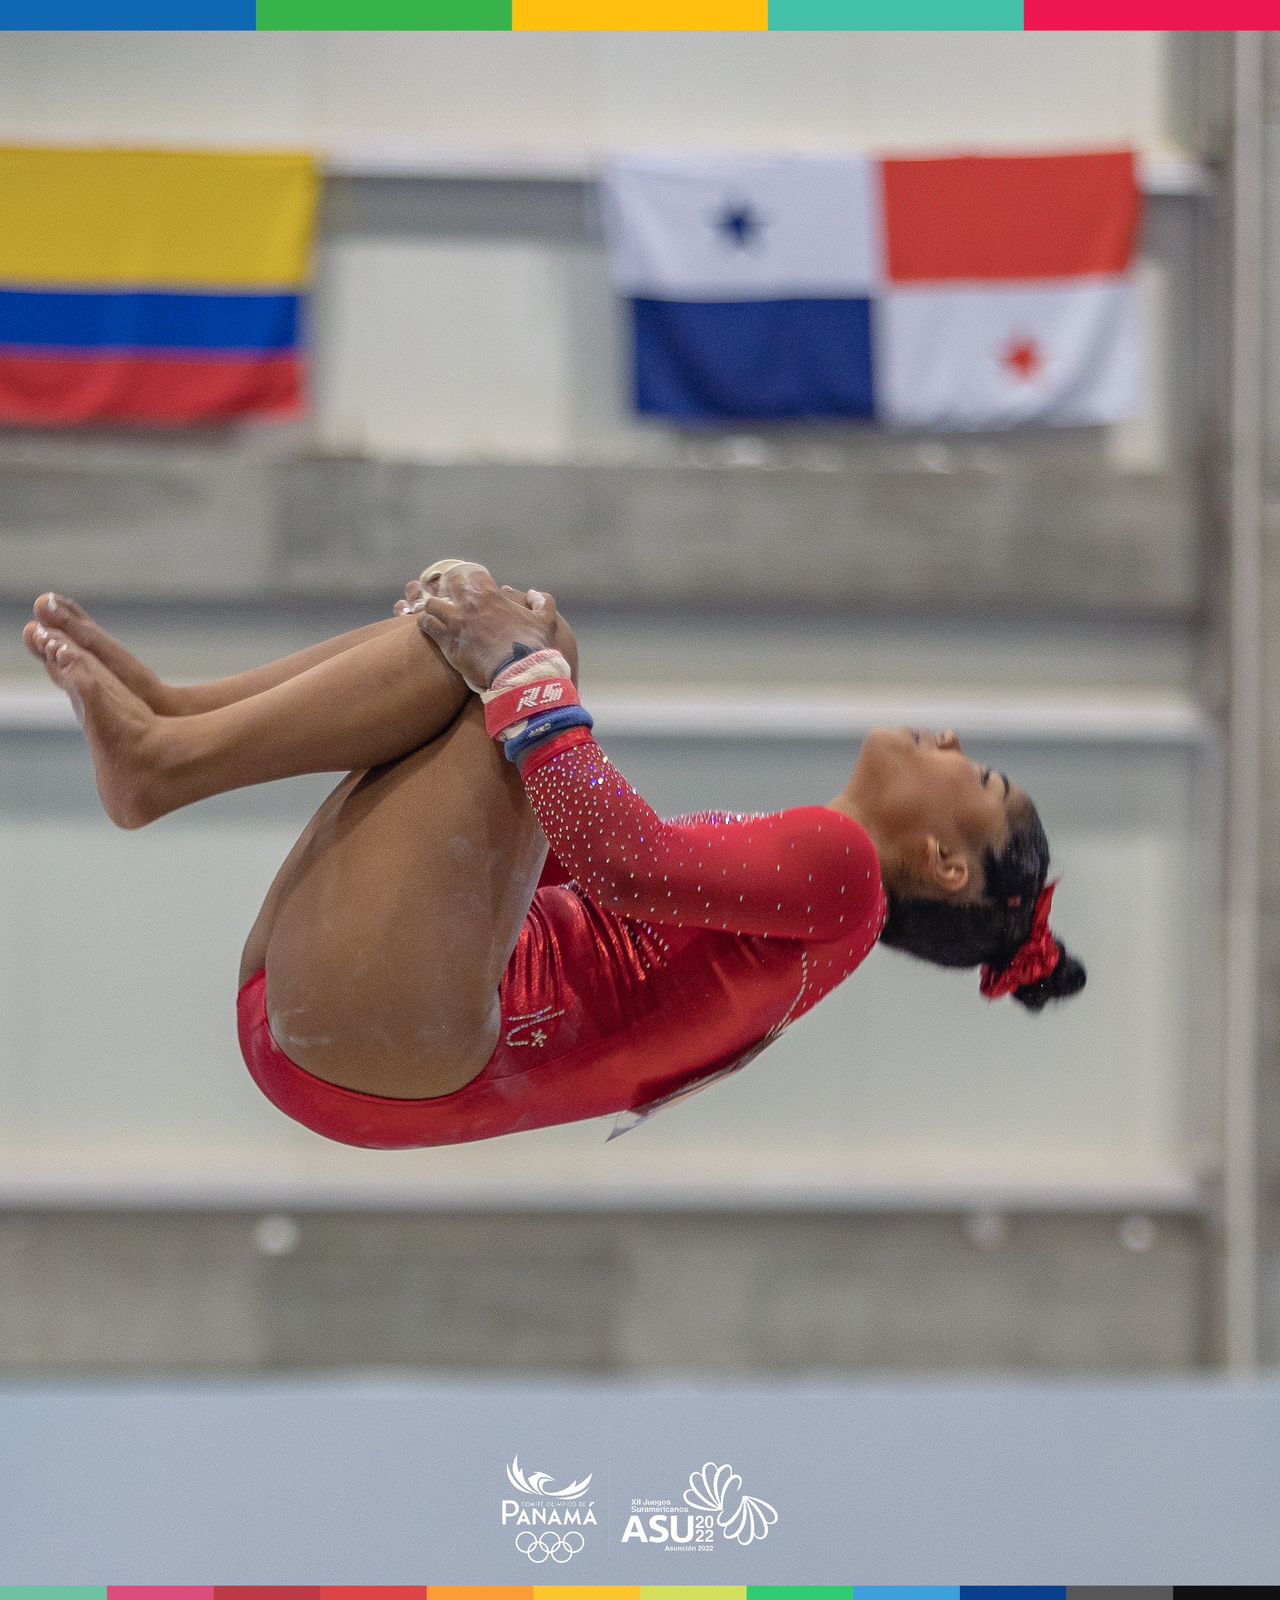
pixel 48 1593
pixel 384 16
pixel 772 1592
pixel 902 16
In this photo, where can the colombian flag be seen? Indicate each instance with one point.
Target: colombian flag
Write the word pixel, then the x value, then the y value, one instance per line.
pixel 149 286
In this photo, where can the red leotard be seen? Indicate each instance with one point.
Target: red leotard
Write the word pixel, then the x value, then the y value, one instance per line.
pixel 664 954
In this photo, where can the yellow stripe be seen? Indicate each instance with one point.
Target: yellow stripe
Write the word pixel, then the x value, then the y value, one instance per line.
pixel 691 1592
pixel 156 217
pixel 640 16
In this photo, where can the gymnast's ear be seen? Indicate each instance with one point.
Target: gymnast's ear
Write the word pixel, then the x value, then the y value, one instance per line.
pixel 945 869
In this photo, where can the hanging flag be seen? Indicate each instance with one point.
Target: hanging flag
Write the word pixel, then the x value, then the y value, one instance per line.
pixel 158 287
pixel 964 292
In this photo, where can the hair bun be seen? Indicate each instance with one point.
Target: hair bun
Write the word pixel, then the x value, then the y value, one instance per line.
pixel 1066 979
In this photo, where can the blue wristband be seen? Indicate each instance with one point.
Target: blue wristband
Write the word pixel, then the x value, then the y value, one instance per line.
pixel 546 726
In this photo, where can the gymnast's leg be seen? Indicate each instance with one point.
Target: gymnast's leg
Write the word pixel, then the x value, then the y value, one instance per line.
pixel 391 925
pixel 368 705
pixel 178 700
pixel 386 934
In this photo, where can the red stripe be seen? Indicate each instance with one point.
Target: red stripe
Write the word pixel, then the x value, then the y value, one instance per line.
pixel 61 391
pixel 1010 218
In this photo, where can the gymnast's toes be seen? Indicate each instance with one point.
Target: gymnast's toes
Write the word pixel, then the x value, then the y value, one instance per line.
pixel 55 610
pixel 52 647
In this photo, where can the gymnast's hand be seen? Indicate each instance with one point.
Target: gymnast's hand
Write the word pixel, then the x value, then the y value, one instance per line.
pixel 478 624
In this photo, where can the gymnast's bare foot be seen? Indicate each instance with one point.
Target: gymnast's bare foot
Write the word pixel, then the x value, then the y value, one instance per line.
pixel 126 738
pixel 56 611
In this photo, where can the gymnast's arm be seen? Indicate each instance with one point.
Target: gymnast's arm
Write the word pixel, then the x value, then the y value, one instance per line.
pixel 805 873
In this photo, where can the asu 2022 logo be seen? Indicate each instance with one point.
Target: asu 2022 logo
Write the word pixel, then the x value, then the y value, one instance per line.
pixel 712 1508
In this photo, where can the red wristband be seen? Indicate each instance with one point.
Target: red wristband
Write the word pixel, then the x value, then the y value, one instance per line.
pixel 527 700
pixel 542 753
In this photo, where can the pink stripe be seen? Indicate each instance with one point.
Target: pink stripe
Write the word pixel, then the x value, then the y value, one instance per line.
pixel 115 1592
pixel 1178 15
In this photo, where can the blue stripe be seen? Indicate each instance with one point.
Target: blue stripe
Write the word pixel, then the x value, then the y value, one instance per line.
pixel 987 1592
pixel 122 16
pixel 106 320
pixel 762 360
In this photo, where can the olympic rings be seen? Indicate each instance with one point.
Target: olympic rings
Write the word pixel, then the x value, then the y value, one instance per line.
pixel 557 1547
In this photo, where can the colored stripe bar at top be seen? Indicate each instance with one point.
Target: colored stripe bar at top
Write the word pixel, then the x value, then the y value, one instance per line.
pixel 675 16
pixel 129 16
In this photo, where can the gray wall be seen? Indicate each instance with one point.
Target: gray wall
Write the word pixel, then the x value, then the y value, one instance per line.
pixel 637 1294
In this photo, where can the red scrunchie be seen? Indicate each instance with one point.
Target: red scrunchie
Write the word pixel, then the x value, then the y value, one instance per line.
pixel 1037 958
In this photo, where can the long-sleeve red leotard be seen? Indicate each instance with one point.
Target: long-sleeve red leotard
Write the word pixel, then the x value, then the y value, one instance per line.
pixel 656 956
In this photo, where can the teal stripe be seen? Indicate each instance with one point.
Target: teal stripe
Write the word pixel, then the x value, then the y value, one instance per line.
pixel 895 16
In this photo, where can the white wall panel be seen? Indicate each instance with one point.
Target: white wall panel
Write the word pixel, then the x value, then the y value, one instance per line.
pixel 881 90
pixel 124 87
pixel 446 346
pixel 586 92
pixel 506 90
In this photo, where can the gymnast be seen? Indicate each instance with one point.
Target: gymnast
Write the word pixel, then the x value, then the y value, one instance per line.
pixel 423 972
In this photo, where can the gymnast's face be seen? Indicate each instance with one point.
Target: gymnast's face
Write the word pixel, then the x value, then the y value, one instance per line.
pixel 932 812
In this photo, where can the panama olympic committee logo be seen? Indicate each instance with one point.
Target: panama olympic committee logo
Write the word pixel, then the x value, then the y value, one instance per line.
pixel 550 1521
pixel 712 1508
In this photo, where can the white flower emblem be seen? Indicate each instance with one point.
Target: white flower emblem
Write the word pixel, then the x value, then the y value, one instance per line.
pixel 752 1520
pixel 712 1487
pixel 709 1487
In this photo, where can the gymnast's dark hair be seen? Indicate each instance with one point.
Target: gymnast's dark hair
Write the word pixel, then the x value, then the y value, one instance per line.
pixel 989 931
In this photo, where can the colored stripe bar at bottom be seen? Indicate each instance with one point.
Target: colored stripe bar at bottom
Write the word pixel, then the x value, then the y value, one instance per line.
pixel 62 391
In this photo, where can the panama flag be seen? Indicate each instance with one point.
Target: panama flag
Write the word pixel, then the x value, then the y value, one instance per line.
pixel 940 293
